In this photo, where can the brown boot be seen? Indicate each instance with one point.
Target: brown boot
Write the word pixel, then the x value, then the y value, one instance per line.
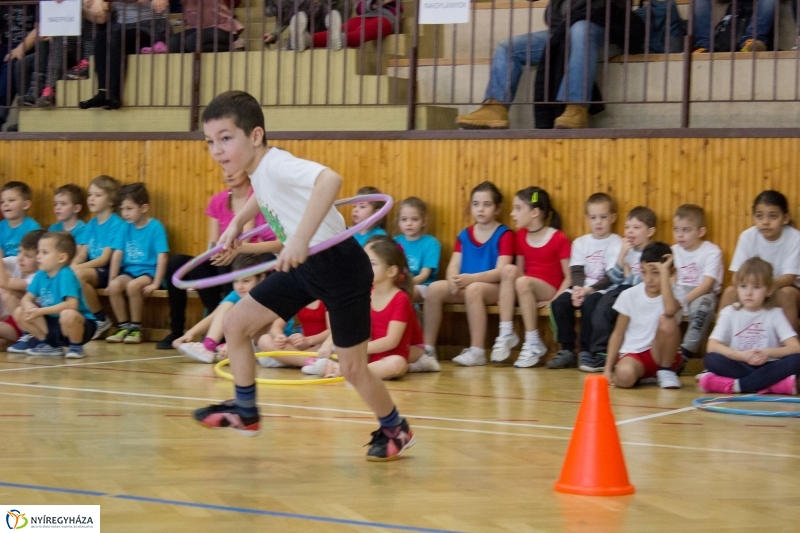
pixel 574 117
pixel 491 115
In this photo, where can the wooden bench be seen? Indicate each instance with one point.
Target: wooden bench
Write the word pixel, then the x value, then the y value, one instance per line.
pixel 156 316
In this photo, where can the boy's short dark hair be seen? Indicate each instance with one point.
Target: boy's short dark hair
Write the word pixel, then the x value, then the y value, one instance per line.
pixel 693 213
pixel 75 193
pixel 135 192
pixel 655 252
pixel 243 261
pixel 30 241
pixel 240 107
pixel 643 214
pixel 22 188
pixel 600 198
pixel 65 243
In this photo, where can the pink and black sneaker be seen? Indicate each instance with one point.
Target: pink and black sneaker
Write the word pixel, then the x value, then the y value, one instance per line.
pixel 225 415
pixel 388 443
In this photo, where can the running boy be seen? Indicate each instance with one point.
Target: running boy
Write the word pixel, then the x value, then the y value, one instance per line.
pixel 296 197
pixel 63 318
pixel 15 201
pixel 644 344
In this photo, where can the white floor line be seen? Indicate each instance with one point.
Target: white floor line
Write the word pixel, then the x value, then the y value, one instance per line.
pixel 656 415
pixel 41 367
pixel 372 422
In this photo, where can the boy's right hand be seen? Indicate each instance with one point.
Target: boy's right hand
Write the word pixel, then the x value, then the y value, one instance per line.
pixel 280 341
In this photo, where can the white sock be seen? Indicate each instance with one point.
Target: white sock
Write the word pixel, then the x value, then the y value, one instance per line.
pixel 430 349
pixel 479 351
pixel 506 328
pixel 736 387
pixel 532 337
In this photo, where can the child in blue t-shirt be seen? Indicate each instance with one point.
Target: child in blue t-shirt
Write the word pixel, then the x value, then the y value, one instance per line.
pixel 68 202
pixel 423 251
pixel 63 318
pixel 93 259
pixel 15 201
pixel 363 210
pixel 206 351
pixel 138 263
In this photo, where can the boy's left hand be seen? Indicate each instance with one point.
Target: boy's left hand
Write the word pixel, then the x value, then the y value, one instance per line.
pixel 148 290
pixel 292 256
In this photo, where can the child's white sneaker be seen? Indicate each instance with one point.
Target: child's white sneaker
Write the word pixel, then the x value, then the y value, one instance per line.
pixel 502 347
pixel 317 368
pixel 426 363
pixel 667 379
pixel 197 351
pixel 470 357
pixel 333 21
pixel 530 354
pixel 298 32
pixel 269 362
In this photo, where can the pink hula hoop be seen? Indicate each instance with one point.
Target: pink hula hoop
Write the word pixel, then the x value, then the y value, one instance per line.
pixel 221 279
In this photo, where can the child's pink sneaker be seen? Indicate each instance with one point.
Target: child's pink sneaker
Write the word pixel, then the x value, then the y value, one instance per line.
pixel 785 387
pixel 158 48
pixel 713 383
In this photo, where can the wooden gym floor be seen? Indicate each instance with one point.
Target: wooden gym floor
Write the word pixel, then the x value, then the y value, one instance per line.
pixel 114 429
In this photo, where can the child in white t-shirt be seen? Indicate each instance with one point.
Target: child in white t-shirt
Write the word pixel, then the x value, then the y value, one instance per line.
pixel 16 274
pixel 772 239
pixel 753 348
pixel 698 275
pixel 644 344
pixel 593 255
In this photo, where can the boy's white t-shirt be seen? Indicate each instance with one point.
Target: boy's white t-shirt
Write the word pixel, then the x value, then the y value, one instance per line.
pixel 743 330
pixel 282 184
pixel 783 254
pixel 644 313
pixel 12 267
pixel 596 256
pixel 692 267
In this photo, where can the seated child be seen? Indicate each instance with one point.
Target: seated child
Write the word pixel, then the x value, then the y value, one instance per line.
pixel 68 202
pixel 699 272
pixel 138 263
pixel 313 318
pixel 395 329
pixel 423 251
pixel 62 319
pixel 644 343
pixel 211 326
pixel 14 284
pixel 363 210
pixel 753 348
pixel 592 256
pixel 93 261
pixel 373 20
pixel 15 199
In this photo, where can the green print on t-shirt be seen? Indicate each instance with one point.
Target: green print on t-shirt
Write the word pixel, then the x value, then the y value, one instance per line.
pixel 274 224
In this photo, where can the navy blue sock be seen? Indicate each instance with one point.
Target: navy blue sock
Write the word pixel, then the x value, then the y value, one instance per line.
pixel 391 420
pixel 75 347
pixel 100 316
pixel 246 401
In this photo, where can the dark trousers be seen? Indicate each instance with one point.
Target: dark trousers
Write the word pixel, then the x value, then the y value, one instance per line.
pixel 562 320
pixel 211 297
pixel 753 378
pixel 208 38
pixel 113 42
pixel 604 318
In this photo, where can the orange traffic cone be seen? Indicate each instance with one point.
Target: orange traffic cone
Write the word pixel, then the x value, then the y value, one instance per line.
pixel 594 465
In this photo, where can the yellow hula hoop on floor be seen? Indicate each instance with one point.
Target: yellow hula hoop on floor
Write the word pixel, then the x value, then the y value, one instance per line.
pixel 263 381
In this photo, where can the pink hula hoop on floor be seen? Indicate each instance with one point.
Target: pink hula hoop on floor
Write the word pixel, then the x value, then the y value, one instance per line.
pixel 221 279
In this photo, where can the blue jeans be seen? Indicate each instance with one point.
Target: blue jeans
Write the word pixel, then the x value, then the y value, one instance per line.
pixel 512 54
pixel 703 27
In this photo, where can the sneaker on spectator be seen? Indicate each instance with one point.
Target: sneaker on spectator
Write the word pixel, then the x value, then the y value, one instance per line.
pixel 166 342
pixel 79 71
pixel 700 50
pixel 333 21
pixel 686 355
pixel 102 327
pixel 196 351
pixel 647 381
pixel 388 444
pixel 270 362
pixel 298 32
pixel 710 382
pixel 592 362
pixel 426 363
pixel 785 387
pixel 667 379
pixel 701 374
pixel 48 98
pixel 43 348
pixel 119 336
pixel 491 115
pixel 225 415
pixel 470 357
pixel 317 368
pixel 502 347
pixel 23 344
pixel 75 353
pixel 563 359
pixel 574 117
pixel 134 337
pixel 751 45
pixel 530 354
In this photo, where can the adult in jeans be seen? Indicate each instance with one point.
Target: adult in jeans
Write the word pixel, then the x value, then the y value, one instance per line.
pixel 221 209
pixel 763 19
pixel 585 37
pixel 135 25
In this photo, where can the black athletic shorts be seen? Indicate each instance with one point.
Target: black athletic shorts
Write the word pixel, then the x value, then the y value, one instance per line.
pixel 340 276
pixel 55 337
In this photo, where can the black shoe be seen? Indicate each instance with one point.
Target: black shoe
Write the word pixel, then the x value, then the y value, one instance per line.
pixel 388 443
pixel 112 104
pixel 166 342
pixel 685 356
pixel 98 100
pixel 225 415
